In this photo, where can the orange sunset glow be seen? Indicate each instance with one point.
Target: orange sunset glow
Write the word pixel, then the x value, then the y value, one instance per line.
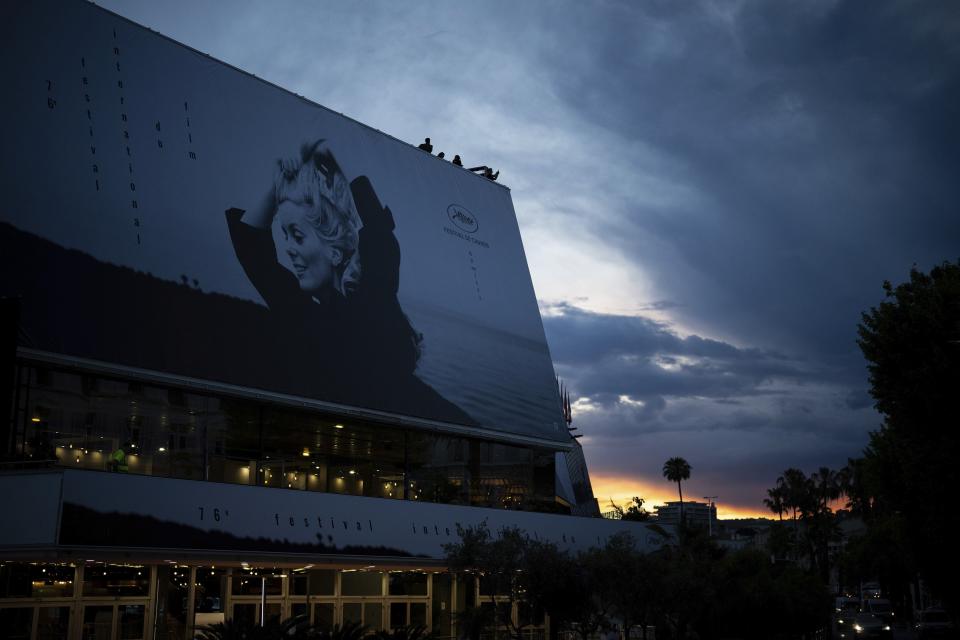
pixel 621 490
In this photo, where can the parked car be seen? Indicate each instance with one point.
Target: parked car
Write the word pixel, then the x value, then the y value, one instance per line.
pixel 845 610
pixel 870 590
pixel 843 625
pixel 879 607
pixel 867 625
pixel 845 604
pixel 934 623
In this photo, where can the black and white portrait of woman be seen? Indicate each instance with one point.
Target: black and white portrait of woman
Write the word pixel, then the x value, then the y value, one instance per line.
pixel 321 251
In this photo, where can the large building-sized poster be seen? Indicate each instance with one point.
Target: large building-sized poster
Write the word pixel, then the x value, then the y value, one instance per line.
pixel 165 211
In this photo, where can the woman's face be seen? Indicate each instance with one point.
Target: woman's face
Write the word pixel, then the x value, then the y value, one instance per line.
pixel 313 259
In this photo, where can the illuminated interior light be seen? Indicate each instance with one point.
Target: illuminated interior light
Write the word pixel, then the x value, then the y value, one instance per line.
pixel 306 452
pixel 338 426
pixel 34 419
pixel 162 449
pixel 352 472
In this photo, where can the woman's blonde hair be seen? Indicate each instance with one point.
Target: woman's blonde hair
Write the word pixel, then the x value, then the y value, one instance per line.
pixel 316 181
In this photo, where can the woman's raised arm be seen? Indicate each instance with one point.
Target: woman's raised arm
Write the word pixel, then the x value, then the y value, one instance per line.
pixel 261 216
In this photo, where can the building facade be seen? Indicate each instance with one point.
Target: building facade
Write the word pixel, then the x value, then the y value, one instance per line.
pixel 225 394
pixel 696 514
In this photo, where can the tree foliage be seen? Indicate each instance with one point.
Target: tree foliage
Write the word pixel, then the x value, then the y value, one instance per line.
pixel 300 628
pixel 905 483
pixel 813 525
pixel 689 589
pixel 677 470
pixel 635 512
pixel 498 560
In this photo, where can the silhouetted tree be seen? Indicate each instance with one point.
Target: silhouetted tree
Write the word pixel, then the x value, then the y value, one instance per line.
pixel 498 561
pixel 554 583
pixel 826 485
pixel 677 470
pixel 775 501
pixel 909 471
pixel 633 581
pixel 635 511
pixel 814 523
pixel 408 632
pixel 300 628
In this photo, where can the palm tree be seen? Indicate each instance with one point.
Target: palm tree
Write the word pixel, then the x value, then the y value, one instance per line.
pixel 776 500
pixel 798 494
pixel 799 497
pixel 826 484
pixel 676 470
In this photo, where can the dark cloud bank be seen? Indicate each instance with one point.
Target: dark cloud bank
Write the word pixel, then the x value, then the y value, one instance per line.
pixel 821 139
pixel 740 415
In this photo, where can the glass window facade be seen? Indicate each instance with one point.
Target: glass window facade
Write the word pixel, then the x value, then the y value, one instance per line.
pixel 36 580
pixel 106 600
pixel 361 583
pixel 53 623
pixel 251 583
pixel 115 580
pixel 84 421
pixel 315 582
pixel 210 590
pixel 16 622
pixel 407 583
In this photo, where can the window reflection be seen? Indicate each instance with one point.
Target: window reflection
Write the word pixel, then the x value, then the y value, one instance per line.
pixel 252 582
pixel 16 622
pixel 116 580
pixel 210 590
pixel 36 580
pixel 361 583
pixel 407 583
pixel 171 599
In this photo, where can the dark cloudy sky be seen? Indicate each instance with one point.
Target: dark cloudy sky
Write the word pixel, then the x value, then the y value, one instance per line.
pixel 709 192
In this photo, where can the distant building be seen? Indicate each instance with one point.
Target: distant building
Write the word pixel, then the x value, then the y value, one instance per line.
pixel 697 514
pixel 743 533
